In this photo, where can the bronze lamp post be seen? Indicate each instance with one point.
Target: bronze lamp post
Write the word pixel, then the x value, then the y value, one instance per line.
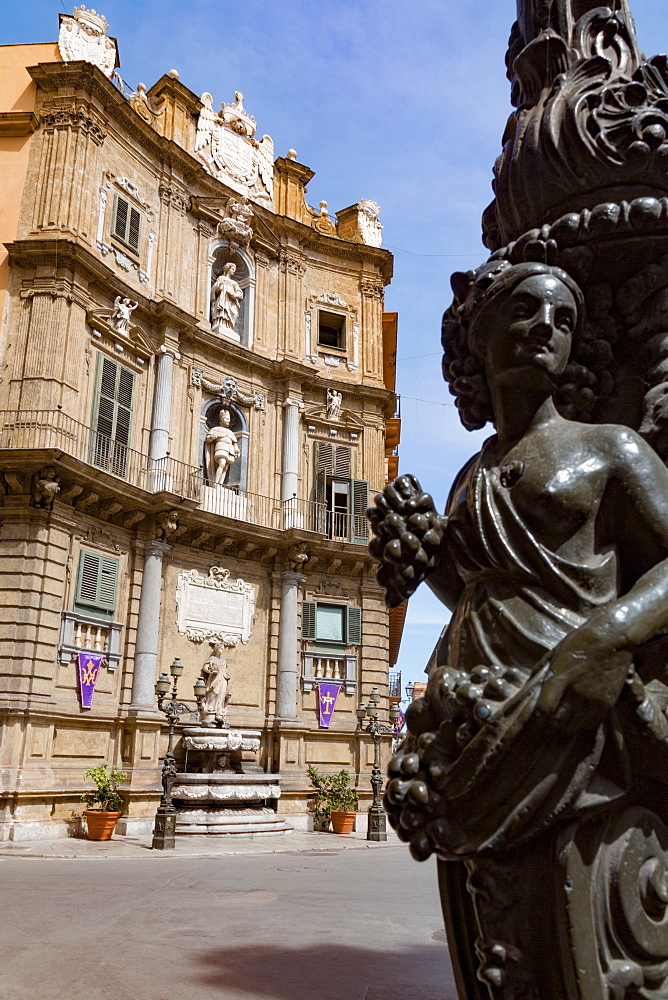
pixel 164 830
pixel 376 828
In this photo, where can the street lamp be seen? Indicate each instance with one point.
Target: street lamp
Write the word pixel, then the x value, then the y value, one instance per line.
pixel 376 827
pixel 164 830
pixel 410 688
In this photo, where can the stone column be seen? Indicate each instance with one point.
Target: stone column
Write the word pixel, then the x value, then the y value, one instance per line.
pixel 286 681
pixel 290 457
pixel 162 403
pixel 148 628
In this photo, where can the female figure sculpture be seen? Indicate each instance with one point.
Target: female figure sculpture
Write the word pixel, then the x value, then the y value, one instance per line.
pixel 226 297
pixel 216 675
pixel 535 765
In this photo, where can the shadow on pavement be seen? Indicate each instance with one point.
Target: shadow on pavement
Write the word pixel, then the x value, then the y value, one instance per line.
pixel 331 972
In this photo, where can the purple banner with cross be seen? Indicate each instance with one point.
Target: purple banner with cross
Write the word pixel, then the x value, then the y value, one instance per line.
pixel 327 695
pixel 89 667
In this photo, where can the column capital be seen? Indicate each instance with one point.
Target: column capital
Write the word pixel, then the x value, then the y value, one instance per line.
pixel 293 401
pixel 170 351
pixel 153 547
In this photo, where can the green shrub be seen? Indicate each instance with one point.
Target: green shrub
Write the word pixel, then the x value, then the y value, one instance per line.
pixel 332 791
pixel 106 796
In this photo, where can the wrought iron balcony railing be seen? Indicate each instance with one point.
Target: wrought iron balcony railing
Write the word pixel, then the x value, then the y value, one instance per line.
pixel 53 429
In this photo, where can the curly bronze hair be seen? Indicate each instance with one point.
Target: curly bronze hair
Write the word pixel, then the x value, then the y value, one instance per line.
pixel 584 379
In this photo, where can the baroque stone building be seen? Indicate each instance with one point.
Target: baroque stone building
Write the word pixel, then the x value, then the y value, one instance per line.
pixel 197 397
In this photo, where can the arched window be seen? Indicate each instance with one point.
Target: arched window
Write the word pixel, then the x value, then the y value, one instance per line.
pixel 244 274
pixel 237 473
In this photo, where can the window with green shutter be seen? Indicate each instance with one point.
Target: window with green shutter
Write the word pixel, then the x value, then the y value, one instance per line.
pixel 308 619
pixel 112 415
pixel 97 581
pixel 336 624
pixel 345 499
pixel 126 223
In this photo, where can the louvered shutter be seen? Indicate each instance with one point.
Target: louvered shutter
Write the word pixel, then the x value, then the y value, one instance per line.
pixel 108 582
pixel 342 462
pixel 359 501
pixel 308 619
pixel 97 581
pixel 121 217
pixel 133 229
pixel 112 416
pixel 127 223
pixel 87 582
pixel 324 457
pixel 353 625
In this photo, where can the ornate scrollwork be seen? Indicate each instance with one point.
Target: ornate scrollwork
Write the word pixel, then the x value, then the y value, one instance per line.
pixel 592 115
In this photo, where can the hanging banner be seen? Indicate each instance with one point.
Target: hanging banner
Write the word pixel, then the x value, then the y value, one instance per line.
pixel 327 695
pixel 89 666
pixel 399 723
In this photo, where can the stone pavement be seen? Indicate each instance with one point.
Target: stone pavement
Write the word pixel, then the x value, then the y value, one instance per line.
pixel 194 847
pixel 346 923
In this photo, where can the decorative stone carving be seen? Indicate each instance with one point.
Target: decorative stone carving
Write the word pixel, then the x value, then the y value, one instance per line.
pixel 167 523
pixel 221 740
pixel 236 226
pixel 297 557
pixel 139 102
pixel 217 695
pixel 322 222
pixel 334 403
pixel 228 389
pixel 360 224
pixel 226 144
pixel 214 607
pixel 592 115
pixel 174 196
pixel 45 488
pixel 76 119
pixel 122 313
pixel 83 36
pixel 226 297
pixel 373 288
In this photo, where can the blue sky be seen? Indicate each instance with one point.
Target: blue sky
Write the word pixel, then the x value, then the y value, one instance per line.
pixel 401 102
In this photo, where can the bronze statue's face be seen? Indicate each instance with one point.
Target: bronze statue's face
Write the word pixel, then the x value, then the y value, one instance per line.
pixel 532 328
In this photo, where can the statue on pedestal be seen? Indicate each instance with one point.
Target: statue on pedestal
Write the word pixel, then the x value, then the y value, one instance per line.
pixel 121 316
pixel 222 449
pixel 226 298
pixel 217 696
pixel 536 765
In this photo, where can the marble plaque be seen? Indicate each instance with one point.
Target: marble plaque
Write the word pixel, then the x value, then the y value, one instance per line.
pixel 214 607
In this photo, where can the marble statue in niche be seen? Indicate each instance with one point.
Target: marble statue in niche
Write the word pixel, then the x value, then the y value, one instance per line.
pixel 226 297
pixel 549 703
pixel 217 696
pixel 221 449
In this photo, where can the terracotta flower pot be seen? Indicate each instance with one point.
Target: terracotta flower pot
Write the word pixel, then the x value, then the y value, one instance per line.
pixel 101 825
pixel 343 820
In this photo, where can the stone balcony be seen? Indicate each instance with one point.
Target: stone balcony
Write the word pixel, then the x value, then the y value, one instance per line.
pixel 48 435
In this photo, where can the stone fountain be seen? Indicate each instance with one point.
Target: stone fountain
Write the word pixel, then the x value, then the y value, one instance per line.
pixel 222 790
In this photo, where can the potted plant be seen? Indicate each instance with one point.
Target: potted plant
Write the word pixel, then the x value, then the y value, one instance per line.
pixel 105 804
pixel 334 799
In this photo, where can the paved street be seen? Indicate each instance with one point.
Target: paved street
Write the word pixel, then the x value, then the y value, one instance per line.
pixel 326 924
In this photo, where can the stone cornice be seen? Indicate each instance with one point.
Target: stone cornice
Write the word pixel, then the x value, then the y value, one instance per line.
pixel 330 246
pixel 46 250
pixel 17 124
